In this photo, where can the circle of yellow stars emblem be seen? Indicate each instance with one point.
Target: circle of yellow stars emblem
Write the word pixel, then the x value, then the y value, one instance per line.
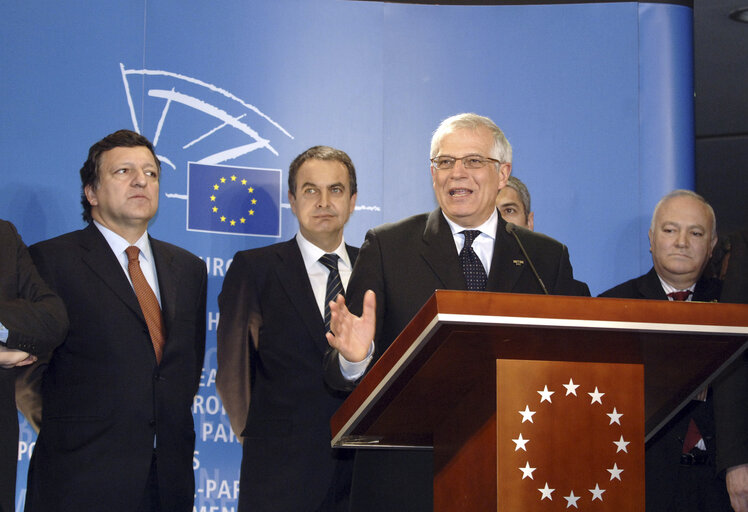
pixel 224 184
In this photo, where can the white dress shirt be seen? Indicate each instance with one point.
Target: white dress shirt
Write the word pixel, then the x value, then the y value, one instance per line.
pixel 483 247
pixel 147 263
pixel 318 272
pixel 483 243
pixel 671 289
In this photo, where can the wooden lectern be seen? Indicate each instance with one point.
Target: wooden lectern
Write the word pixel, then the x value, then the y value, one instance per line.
pixel 536 402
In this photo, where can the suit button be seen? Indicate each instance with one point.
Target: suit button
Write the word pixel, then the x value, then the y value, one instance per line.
pixel 152 423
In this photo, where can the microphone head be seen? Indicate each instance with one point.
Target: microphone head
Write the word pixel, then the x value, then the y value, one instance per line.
pixel 510 227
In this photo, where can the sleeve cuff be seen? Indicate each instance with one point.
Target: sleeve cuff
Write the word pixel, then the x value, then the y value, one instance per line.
pixel 353 371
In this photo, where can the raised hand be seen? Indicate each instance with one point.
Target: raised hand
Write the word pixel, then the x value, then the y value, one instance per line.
pixel 352 335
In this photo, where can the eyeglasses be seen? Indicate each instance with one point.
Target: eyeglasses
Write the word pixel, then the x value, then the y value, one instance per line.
pixel 468 162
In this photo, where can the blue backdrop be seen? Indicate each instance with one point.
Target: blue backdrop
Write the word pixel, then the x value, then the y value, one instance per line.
pixel 596 100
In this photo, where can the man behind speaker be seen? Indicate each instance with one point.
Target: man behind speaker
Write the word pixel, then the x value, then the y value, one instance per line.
pixel 513 202
pixel 117 432
pixel 271 341
pixel 461 245
pixel 680 472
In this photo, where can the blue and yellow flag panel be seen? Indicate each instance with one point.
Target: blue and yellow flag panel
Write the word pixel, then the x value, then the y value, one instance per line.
pixel 233 200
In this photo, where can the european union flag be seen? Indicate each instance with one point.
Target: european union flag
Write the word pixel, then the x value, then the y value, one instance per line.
pixel 233 200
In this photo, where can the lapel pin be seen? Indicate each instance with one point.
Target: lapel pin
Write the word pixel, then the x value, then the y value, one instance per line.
pixel 518 263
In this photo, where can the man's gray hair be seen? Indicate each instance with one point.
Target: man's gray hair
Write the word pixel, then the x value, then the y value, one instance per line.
pixel 502 149
pixel 686 193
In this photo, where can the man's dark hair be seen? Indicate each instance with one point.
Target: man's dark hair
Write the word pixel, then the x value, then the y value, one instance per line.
pixel 321 153
pixel 90 170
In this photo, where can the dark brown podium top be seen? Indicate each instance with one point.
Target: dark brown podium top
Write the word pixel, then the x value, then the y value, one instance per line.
pixel 449 350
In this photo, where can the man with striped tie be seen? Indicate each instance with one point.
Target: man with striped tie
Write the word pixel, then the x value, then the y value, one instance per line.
pixel 274 309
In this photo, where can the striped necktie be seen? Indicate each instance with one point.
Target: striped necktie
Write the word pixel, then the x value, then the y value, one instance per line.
pixel 334 284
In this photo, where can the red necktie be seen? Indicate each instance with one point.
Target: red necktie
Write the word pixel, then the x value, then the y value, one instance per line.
pixel 693 436
pixel 680 296
pixel 147 300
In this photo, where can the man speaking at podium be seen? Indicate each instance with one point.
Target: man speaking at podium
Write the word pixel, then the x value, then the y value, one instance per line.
pixel 462 245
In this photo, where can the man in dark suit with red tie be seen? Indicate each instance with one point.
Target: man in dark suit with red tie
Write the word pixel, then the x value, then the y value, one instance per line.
pixel 680 460
pixel 117 432
pixel 271 341
pixel 463 244
pixel 731 387
pixel 32 323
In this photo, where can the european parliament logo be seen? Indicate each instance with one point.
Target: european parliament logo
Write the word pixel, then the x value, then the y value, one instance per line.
pixel 233 200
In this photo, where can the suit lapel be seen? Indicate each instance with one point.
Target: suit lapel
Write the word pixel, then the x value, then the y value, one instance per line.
pixel 352 253
pixel 707 290
pixel 507 263
pixel 98 256
pixel 292 275
pixel 440 253
pixel 168 276
pixel 649 286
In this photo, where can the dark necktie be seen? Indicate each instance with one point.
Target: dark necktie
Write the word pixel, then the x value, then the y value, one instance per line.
pixel 475 274
pixel 680 296
pixel 334 284
pixel 147 300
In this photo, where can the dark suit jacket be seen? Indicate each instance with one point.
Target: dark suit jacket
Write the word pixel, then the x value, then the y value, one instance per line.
pixel 731 388
pixel 36 321
pixel 648 286
pixel 670 486
pixel 404 263
pixel 271 341
pixel 104 396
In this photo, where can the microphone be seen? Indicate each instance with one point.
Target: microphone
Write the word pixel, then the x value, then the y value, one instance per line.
pixel 510 228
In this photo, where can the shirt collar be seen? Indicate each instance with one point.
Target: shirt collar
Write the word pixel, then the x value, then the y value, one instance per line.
pixel 311 253
pixel 670 289
pixel 488 228
pixel 119 244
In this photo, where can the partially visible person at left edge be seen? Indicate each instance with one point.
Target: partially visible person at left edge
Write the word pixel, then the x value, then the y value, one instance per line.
pixel 117 432
pixel 32 322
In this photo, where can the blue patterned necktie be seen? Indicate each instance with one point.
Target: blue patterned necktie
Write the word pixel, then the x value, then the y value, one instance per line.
pixel 334 284
pixel 475 274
